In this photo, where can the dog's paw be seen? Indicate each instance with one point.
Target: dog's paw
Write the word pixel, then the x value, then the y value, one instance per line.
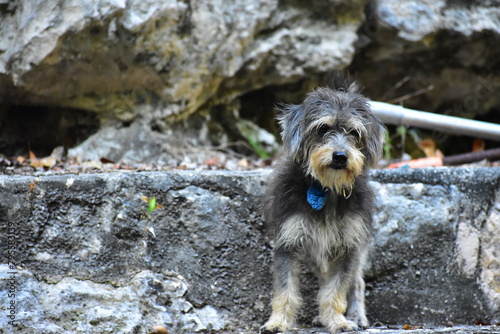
pixel 272 326
pixel 278 323
pixel 317 321
pixel 361 320
pixel 356 313
pixel 271 329
pixel 344 326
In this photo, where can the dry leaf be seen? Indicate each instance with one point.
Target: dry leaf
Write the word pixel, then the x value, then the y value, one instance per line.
pixel 244 163
pixel 33 185
pixel 48 162
pixel 44 162
pixel 428 146
pixel 159 330
pixel 182 167
pixel 212 162
pixel 106 161
pixel 92 164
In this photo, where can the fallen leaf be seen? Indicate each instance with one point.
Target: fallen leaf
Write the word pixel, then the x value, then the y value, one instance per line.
pixel 106 161
pixel 212 162
pixel 159 330
pixel 428 146
pixel 44 162
pixel 92 164
pixel 33 185
pixel 183 167
pixel 244 163
pixel 48 162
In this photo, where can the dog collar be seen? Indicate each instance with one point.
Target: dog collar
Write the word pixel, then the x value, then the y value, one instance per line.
pixel 316 196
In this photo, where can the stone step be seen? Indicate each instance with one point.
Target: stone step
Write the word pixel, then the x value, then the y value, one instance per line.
pixel 83 254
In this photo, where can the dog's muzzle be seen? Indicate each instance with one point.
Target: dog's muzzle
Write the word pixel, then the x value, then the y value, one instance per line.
pixel 339 160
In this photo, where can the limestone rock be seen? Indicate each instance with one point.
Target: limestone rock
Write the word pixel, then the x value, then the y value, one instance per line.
pixel 414 20
pixel 437 55
pixel 157 62
pixel 113 56
pixel 153 64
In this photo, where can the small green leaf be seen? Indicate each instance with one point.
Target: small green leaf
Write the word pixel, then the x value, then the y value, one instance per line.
pixel 152 204
pixel 401 131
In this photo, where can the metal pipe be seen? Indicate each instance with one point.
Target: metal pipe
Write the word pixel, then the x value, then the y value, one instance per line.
pixel 397 115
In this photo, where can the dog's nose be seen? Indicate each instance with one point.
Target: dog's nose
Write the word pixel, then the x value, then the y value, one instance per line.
pixel 339 160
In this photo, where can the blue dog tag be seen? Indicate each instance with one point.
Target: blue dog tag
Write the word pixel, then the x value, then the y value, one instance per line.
pixel 316 196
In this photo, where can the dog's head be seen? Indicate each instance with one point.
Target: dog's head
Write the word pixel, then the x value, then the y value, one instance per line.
pixel 333 134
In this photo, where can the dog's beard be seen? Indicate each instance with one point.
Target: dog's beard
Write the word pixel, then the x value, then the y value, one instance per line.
pixel 338 180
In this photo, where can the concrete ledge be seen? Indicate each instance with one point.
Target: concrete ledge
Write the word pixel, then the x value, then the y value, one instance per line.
pixel 83 254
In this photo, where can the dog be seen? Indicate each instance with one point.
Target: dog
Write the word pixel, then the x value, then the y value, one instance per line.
pixel 318 205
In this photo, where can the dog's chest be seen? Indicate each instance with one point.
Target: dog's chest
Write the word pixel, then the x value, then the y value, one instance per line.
pixel 326 241
pixel 322 239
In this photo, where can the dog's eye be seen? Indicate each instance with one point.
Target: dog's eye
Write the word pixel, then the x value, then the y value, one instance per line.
pixel 352 133
pixel 323 129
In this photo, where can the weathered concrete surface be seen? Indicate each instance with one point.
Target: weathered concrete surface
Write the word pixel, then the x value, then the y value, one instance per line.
pixel 439 330
pixel 83 255
pixel 436 242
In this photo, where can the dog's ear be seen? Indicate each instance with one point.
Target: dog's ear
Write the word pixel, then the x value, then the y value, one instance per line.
pixel 354 88
pixel 375 132
pixel 291 119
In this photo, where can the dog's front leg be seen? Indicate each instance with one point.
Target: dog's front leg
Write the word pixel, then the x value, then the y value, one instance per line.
pixel 286 300
pixel 356 301
pixel 332 298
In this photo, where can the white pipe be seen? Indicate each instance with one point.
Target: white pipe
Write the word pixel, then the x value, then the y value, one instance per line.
pixel 397 115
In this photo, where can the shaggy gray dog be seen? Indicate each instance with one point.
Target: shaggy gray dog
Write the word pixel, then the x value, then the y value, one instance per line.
pixel 319 206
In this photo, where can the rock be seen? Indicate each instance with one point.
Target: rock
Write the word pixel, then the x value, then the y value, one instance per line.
pixel 414 20
pixel 161 67
pixel 208 232
pixel 85 255
pixel 115 57
pixel 435 56
pixel 410 239
pixel 490 254
pixel 154 63
pixel 87 307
